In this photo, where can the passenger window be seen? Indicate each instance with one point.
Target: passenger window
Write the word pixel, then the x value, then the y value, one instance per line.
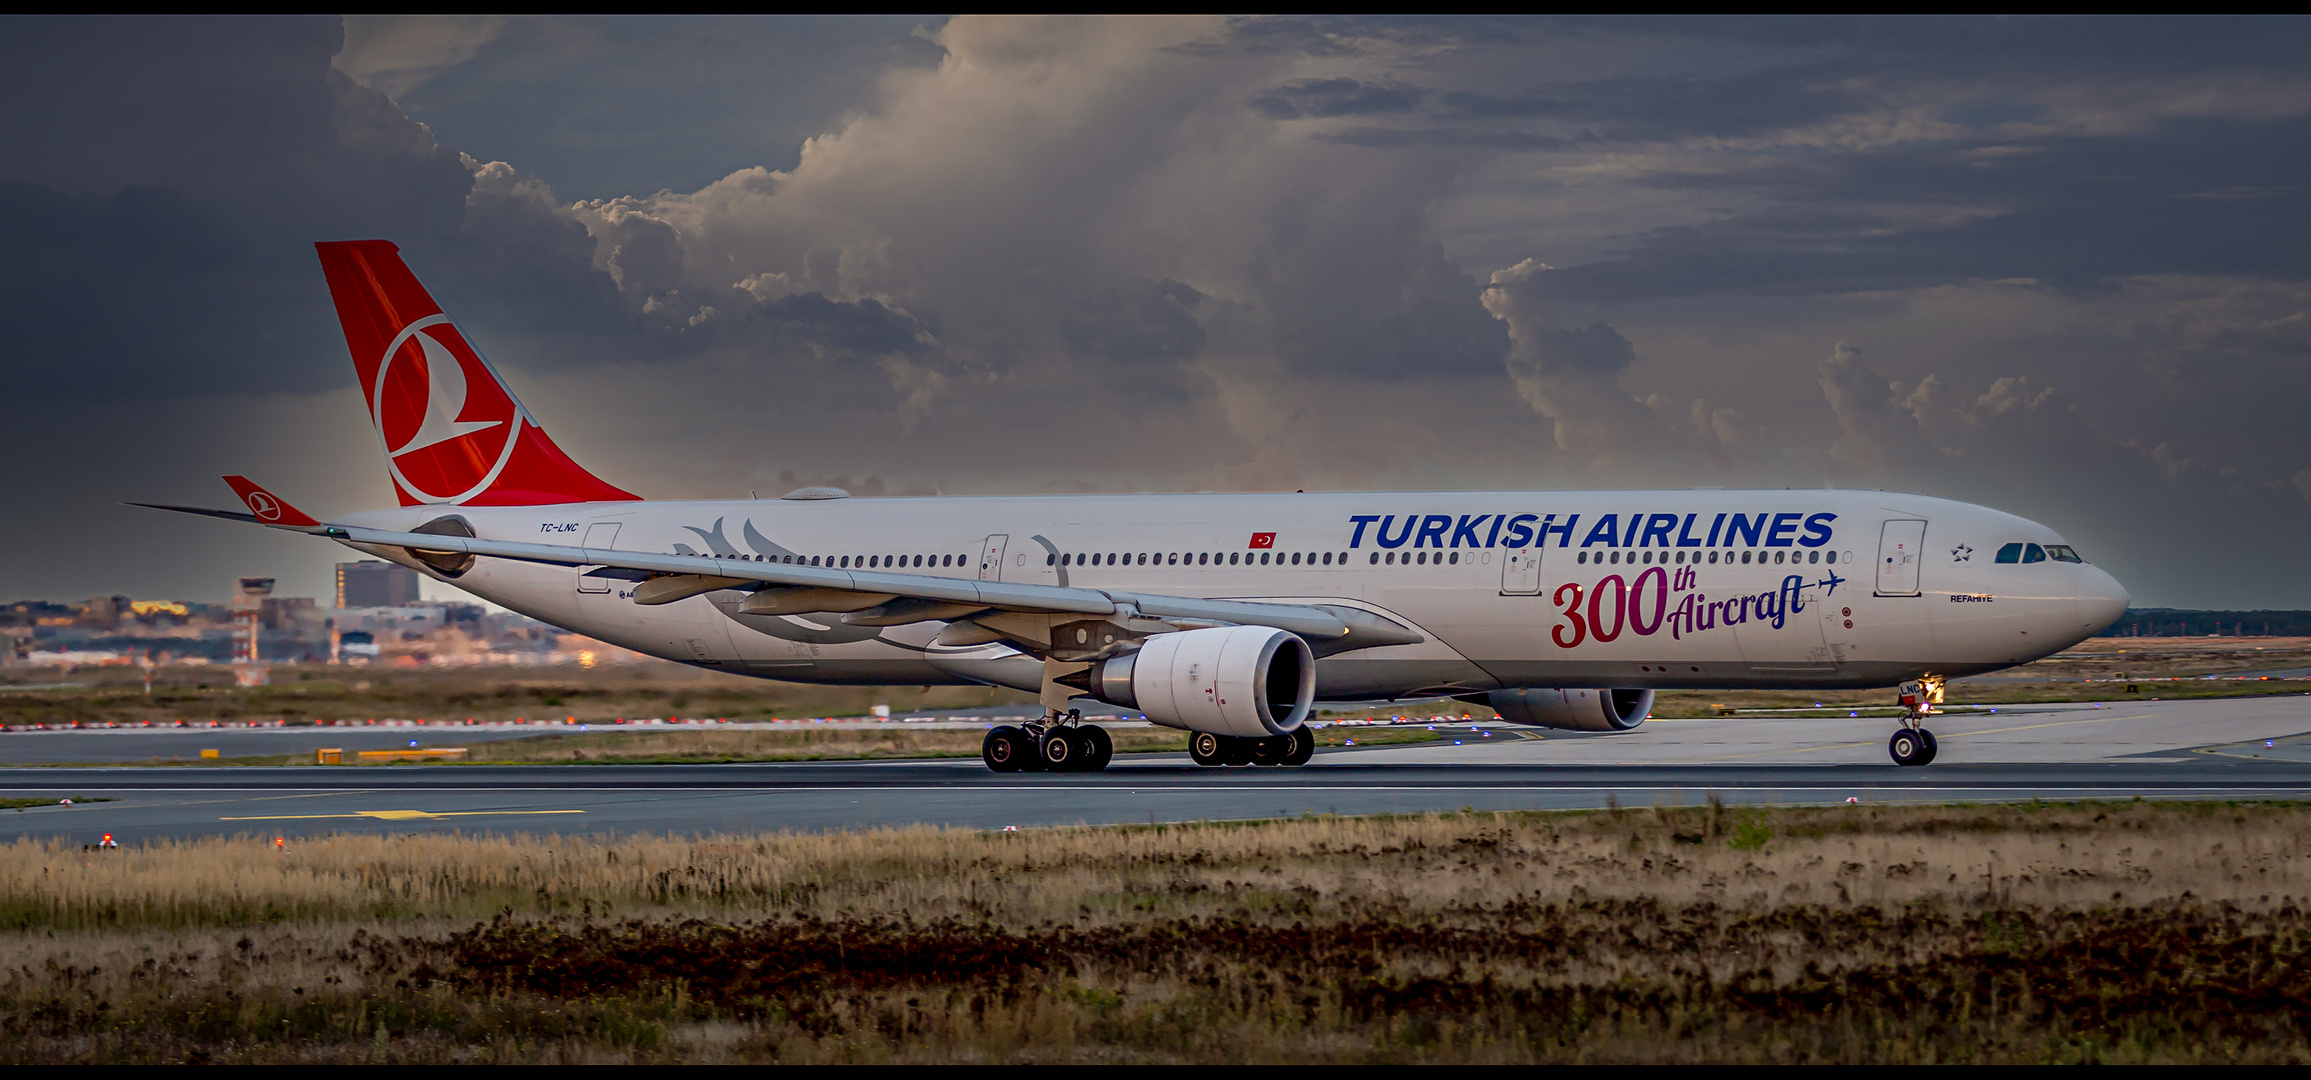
pixel 2011 553
pixel 1327 558
pixel 1051 560
pixel 1581 558
pixel 2033 553
pixel 1712 556
pixel 1814 557
pixel 1391 559
pixel 1777 557
pixel 1454 558
pixel 1830 557
pixel 1745 558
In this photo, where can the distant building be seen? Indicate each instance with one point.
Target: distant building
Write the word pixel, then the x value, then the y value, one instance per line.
pixel 372 584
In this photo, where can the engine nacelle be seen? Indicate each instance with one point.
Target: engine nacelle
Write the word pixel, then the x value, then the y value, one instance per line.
pixel 1573 710
pixel 1247 681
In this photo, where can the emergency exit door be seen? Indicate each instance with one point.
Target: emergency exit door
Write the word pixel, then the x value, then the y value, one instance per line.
pixel 1520 571
pixel 991 557
pixel 1901 551
pixel 601 534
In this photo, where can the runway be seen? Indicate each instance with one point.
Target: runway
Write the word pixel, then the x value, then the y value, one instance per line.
pixel 2229 749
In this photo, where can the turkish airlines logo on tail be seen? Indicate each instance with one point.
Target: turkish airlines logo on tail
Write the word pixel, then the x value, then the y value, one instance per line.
pixel 264 505
pixel 447 421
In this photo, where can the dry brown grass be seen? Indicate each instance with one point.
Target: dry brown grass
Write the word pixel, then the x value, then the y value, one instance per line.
pixel 2096 932
pixel 304 693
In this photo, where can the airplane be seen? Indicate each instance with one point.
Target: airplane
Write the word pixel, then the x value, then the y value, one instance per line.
pixel 1225 615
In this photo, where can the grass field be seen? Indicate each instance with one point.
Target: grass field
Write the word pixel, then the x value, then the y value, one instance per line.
pixel 2109 933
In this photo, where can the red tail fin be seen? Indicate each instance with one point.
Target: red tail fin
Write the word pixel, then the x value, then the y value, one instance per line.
pixel 453 431
pixel 269 508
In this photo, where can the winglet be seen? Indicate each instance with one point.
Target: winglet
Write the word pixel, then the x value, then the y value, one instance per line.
pixel 270 509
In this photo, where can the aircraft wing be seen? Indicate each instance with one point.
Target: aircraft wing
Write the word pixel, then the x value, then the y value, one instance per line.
pixel 873 597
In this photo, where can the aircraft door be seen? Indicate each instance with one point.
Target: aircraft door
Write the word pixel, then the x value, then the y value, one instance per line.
pixel 991 557
pixel 601 534
pixel 1521 571
pixel 1901 550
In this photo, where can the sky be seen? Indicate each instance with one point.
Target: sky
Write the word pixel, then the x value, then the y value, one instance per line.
pixel 2055 266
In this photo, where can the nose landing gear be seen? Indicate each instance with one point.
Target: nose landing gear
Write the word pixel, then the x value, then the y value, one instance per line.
pixel 1913 744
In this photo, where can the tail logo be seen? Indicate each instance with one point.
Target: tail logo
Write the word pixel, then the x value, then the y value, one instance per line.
pixel 446 420
pixel 266 507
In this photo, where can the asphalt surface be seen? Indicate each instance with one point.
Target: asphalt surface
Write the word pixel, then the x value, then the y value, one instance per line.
pixel 2234 749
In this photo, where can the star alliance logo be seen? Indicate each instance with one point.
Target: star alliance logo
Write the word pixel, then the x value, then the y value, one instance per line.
pixel 1961 553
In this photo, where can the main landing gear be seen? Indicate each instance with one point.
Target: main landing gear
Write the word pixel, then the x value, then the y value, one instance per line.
pixel 1913 744
pixel 1057 744
pixel 1290 750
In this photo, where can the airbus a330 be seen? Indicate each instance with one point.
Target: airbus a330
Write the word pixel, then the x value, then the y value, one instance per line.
pixel 1226 615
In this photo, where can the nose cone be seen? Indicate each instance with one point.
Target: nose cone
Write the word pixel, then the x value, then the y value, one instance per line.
pixel 2101 599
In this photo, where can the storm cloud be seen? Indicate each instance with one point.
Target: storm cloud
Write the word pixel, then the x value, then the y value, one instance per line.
pixel 2052 266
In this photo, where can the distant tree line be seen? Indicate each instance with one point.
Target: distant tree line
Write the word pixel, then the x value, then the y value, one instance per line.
pixel 2182 622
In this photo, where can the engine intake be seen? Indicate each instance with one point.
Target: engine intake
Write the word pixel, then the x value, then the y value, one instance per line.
pixel 1573 710
pixel 1246 681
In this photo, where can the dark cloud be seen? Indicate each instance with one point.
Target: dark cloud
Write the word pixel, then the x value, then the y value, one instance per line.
pixel 1148 321
pixel 2048 265
pixel 1335 97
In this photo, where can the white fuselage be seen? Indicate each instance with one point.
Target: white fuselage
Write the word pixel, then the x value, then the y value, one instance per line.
pixel 1660 589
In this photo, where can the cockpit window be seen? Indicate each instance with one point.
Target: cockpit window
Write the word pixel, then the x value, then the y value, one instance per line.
pixel 2033 553
pixel 2062 553
pixel 2010 553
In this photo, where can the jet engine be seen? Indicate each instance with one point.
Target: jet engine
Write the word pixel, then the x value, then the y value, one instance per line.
pixel 1246 681
pixel 1573 710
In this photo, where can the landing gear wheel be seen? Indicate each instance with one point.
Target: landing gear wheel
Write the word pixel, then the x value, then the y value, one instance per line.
pixel 1303 747
pixel 1205 748
pixel 1005 748
pixel 1271 750
pixel 1098 747
pixel 1909 747
pixel 1060 751
pixel 1933 746
pixel 1236 752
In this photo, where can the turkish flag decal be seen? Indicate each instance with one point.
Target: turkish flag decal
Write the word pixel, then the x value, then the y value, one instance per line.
pixel 1263 540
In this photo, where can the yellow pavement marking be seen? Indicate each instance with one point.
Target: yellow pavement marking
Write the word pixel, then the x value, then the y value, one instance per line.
pixel 399 815
pixel 1953 735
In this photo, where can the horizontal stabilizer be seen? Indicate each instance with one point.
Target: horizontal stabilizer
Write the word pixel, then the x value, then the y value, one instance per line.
pixel 268 507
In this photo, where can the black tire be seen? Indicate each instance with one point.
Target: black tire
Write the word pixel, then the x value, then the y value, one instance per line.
pixel 1206 748
pixel 1099 747
pixel 1235 752
pixel 1303 747
pixel 1933 746
pixel 1060 751
pixel 1004 749
pixel 1907 748
pixel 1271 750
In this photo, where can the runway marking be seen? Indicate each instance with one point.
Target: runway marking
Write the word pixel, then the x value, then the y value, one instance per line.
pixel 401 815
